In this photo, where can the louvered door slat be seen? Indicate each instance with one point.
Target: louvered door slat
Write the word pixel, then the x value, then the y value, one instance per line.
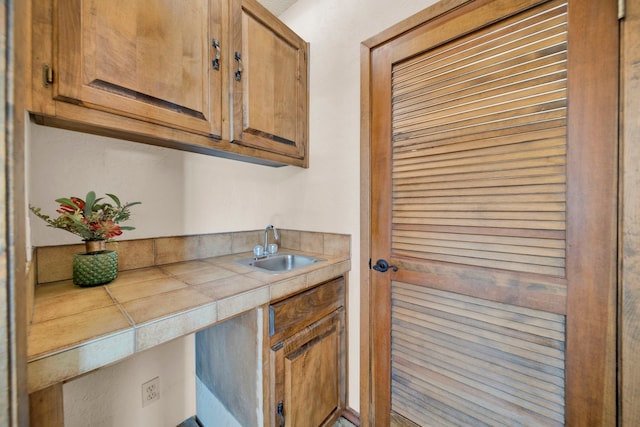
pixel 525 131
pixel 510 161
pixel 550 333
pixel 476 146
pixel 504 364
pixel 505 118
pixel 506 73
pixel 546 13
pixel 465 68
pixel 481 104
pixel 464 156
pixel 544 376
pixel 545 246
pixel 478 53
pixel 534 188
pixel 532 176
pixel 497 248
pixel 500 391
pixel 501 257
pixel 490 374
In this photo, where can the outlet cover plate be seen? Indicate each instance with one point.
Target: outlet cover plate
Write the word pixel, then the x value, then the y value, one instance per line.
pixel 150 391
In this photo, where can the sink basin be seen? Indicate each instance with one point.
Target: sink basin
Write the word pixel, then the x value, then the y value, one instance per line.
pixel 280 263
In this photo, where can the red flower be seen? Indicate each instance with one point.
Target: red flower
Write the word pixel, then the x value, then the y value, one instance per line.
pixel 79 205
pixel 108 229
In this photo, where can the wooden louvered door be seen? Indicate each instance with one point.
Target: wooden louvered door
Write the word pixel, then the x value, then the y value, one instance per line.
pixel 493 173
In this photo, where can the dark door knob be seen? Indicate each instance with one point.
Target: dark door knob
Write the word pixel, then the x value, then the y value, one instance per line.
pixel 382 265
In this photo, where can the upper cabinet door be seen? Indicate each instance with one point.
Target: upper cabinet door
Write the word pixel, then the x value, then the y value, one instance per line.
pixel 146 59
pixel 269 75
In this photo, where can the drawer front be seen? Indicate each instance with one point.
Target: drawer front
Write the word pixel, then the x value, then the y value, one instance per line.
pixel 290 315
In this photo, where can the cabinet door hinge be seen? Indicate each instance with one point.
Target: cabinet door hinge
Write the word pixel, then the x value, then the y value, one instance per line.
pixel 272 321
pixel 47 75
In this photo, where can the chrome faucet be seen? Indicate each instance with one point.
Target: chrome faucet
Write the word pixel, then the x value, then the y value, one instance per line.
pixel 266 236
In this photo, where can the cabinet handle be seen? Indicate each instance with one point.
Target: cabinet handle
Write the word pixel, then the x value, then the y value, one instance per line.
pixel 239 71
pixel 280 411
pixel 216 61
pixel 47 75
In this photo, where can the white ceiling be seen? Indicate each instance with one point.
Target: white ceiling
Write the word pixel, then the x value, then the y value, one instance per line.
pixel 277 6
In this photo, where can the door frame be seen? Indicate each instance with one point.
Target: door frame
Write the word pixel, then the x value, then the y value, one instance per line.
pixel 367 388
pixel 629 193
pixel 17 288
pixel 600 388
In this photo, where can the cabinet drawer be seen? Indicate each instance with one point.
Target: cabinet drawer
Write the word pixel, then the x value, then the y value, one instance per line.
pixel 290 315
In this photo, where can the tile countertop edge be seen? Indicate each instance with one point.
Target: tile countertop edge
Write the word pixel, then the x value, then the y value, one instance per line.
pixel 72 362
pixel 67 363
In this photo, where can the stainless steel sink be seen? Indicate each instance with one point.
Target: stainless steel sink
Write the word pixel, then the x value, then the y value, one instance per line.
pixel 280 263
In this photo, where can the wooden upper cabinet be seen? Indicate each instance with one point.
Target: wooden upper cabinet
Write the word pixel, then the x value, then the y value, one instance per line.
pixel 163 72
pixel 147 59
pixel 270 97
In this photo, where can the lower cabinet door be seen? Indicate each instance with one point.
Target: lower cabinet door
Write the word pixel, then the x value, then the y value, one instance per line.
pixel 309 373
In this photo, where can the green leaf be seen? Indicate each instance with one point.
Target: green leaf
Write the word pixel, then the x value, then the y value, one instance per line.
pixel 39 214
pixel 67 202
pixel 126 227
pixel 88 204
pixel 115 199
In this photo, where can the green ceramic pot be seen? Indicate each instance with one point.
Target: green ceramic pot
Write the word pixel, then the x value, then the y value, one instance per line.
pixel 95 268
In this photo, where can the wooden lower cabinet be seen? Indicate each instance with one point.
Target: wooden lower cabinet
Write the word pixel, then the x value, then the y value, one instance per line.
pixel 297 345
pixel 307 357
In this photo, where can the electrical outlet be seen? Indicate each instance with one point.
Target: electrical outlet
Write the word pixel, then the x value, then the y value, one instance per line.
pixel 150 391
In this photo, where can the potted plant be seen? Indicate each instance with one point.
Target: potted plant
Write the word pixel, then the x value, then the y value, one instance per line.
pixel 97 222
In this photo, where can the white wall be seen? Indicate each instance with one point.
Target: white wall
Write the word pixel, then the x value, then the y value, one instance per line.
pixel 335 30
pixel 185 193
pixel 112 396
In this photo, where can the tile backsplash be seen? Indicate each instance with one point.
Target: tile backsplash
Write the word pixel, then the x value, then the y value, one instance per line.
pixel 54 263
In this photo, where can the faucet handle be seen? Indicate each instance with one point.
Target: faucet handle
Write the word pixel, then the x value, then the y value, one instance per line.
pixel 258 251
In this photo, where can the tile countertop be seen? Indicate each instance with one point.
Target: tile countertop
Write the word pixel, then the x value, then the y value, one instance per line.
pixel 76 330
